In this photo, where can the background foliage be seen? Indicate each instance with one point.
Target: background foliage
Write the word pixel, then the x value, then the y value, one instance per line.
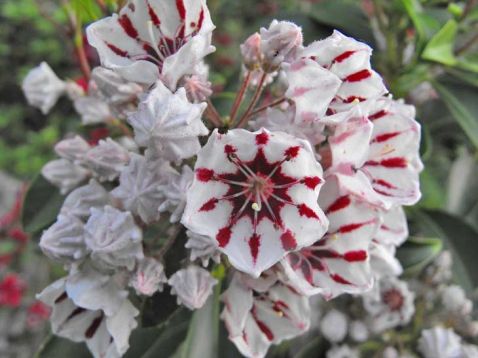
pixel 426 50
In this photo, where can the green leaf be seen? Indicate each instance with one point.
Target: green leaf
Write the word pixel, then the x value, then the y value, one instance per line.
pixel 345 15
pixel 7 247
pixel 313 349
pixel 42 204
pixel 57 347
pixel 424 23
pixel 461 101
pixel 440 47
pixel 203 334
pixel 460 238
pixel 164 338
pixel 86 10
pixel 416 253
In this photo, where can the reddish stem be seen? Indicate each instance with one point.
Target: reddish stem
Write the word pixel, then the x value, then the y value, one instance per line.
pixel 213 115
pixel 260 87
pixel 240 96
pixel 270 105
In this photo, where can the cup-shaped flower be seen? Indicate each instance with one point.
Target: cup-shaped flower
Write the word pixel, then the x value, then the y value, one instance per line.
pixel 154 39
pixel 255 193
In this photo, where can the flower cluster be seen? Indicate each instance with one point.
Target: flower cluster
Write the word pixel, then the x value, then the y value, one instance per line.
pixel 299 196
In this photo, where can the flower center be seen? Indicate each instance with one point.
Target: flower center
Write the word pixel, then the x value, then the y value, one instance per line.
pixel 394 299
pixel 261 188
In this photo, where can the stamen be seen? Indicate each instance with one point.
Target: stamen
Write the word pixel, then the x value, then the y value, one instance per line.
pixel 232 182
pixel 256 207
pixel 154 43
pixel 287 185
pixel 282 200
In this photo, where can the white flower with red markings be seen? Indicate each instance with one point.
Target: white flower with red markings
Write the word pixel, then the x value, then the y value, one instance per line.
pixel 168 124
pixel 389 304
pixel 393 163
pixel 154 39
pixel 349 60
pixel 339 263
pixel 255 320
pixel 90 307
pixel 255 193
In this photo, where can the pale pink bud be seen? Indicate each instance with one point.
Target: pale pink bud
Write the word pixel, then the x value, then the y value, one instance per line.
pixel 251 51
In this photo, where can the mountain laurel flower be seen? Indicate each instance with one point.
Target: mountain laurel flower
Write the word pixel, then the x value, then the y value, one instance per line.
pixel 140 187
pixel 257 320
pixel 107 159
pixel 255 193
pixel 113 239
pixel 79 202
pixel 438 342
pixel 64 174
pixel 251 52
pixel 168 124
pixel 339 262
pixel 389 304
pixel 154 39
pixel 72 149
pixel 64 241
pixel 42 87
pixel 89 307
pixel 202 248
pixel 149 277
pixel 280 42
pixel 349 60
pixel 192 286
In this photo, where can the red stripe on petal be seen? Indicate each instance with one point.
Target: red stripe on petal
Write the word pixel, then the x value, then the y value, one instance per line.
pixel 117 50
pixel 209 205
pixel 378 115
pixel 396 162
pixel 384 183
pixel 349 228
pixel 91 330
pixel 339 204
pixel 262 138
pixel 304 210
pixel 254 244
pixel 288 241
pixel 384 137
pixel 262 326
pixel 204 174
pixel 223 236
pixel 358 76
pixel 181 9
pixel 356 256
pixel 128 27
pixel 311 182
pixel 292 152
pixel 339 279
pixel 201 19
pixel 152 15
pixel 343 56
pixel 353 98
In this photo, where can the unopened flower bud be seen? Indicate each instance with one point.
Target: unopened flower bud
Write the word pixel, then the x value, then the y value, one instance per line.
pixel 280 43
pixel 107 159
pixel 64 174
pixel 72 148
pixel 251 51
pixel 113 238
pixel 42 87
pixel 79 202
pixel 334 326
pixel 358 331
pixel 192 285
pixel 148 277
pixel 64 240
pixel 198 89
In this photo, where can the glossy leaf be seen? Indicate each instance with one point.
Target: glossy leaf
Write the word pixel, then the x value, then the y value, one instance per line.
pixel 416 253
pixel 41 206
pixel 440 47
pixel 462 240
pixel 461 101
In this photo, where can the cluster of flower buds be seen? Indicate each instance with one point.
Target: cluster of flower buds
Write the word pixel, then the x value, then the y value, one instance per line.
pixel 302 196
